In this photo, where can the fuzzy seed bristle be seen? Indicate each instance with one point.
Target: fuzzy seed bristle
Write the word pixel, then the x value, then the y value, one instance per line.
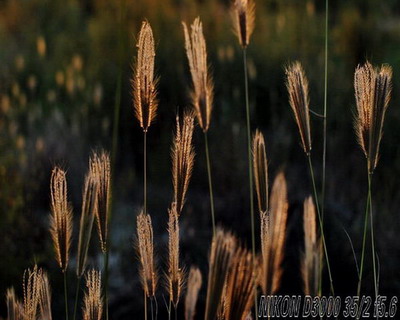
pixel 220 262
pixel 175 275
pixel 144 83
pixel 311 256
pixel 193 288
pixel 93 299
pixel 273 236
pixel 31 287
pixel 148 272
pixel 101 163
pixel 61 217
pixel 260 167
pixel 203 87
pixel 243 13
pixel 297 86
pixel 182 159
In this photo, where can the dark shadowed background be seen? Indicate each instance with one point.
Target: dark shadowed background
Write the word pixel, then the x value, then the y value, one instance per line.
pixel 59 70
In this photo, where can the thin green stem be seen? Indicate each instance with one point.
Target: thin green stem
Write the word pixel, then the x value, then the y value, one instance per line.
pixel 145 172
pixel 320 224
pixel 176 313
pixel 373 239
pixel 105 256
pixel 253 237
pixel 114 148
pixel 78 283
pixel 169 310
pixel 65 294
pixel 210 185
pixel 324 132
pixel 364 238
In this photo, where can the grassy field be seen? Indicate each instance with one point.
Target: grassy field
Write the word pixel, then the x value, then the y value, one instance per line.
pixel 65 90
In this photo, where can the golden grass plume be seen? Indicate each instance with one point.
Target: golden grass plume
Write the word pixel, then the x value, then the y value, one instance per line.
pixel 61 217
pixel 144 83
pixel 14 306
pixel 297 86
pixel 93 299
pixel 260 167
pixel 44 297
pixel 311 257
pixel 89 211
pixel 373 88
pixel 239 293
pixel 192 293
pixel 273 237
pixel 182 159
pixel 220 262
pixel 243 13
pixel 203 87
pixel 148 270
pixel 101 162
pixel 31 286
pixel 175 274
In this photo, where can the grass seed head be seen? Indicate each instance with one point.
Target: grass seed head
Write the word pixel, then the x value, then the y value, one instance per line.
pixel 243 13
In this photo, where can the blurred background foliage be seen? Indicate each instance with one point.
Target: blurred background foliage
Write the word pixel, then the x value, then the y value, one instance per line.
pixel 61 61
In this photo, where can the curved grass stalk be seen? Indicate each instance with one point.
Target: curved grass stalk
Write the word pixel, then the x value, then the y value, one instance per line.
pixel 253 239
pixel 321 224
pixel 65 294
pixel 210 182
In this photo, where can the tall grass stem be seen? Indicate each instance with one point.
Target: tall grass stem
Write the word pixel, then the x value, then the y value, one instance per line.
pixel 145 172
pixel 65 294
pixel 321 224
pixel 373 239
pixel 210 185
pixel 253 238
pixel 364 238
pixel 324 132
pixel 78 284
pixel 145 305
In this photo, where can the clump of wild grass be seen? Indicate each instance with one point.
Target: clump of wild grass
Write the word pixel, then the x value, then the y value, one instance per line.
pixel 310 264
pixel 36 301
pixel 220 262
pixel 239 291
pixel 243 13
pixel 373 88
pixel 202 90
pixel 193 287
pixel 182 159
pixel 273 237
pixel 93 300
pixel 14 306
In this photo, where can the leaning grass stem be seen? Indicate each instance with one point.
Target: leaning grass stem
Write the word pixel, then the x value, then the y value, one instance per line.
pixel 210 186
pixel 78 283
pixel 320 224
pixel 364 236
pixel 65 294
pixel 324 133
pixel 105 256
pixel 145 172
pixel 372 239
pixel 253 238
